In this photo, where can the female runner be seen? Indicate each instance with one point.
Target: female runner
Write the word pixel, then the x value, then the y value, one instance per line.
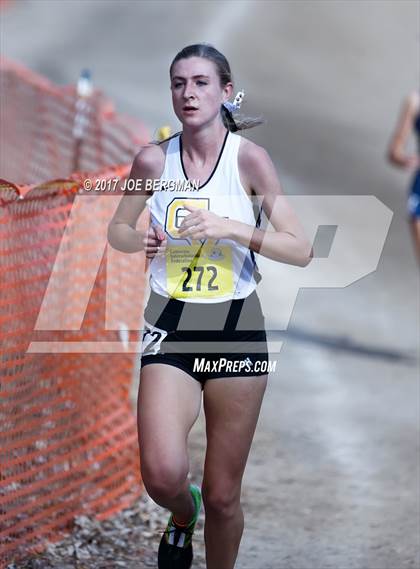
pixel 204 328
pixel 409 121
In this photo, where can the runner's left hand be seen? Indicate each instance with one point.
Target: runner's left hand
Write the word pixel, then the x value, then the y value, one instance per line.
pixel 203 224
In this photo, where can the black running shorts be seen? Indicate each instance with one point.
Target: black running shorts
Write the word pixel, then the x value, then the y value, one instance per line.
pixel 207 341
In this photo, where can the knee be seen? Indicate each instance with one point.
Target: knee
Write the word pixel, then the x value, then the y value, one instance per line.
pixel 163 480
pixel 221 500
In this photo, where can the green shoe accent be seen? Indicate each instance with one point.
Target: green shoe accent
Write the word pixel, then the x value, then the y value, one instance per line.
pixel 175 548
pixel 196 494
pixel 189 529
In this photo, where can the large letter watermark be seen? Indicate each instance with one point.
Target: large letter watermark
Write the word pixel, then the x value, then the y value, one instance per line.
pixel 362 225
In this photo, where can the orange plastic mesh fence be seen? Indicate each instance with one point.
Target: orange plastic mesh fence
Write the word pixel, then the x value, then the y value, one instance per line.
pixel 68 439
pixel 36 136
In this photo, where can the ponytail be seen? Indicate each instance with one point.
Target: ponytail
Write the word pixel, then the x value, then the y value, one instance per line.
pixel 239 122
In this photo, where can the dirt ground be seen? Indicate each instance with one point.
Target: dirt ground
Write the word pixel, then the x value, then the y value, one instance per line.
pixel 330 481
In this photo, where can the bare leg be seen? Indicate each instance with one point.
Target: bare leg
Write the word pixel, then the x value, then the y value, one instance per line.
pixel 168 405
pixel 415 232
pixel 232 408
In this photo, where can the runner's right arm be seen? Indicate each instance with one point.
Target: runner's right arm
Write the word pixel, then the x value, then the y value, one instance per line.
pixel 122 232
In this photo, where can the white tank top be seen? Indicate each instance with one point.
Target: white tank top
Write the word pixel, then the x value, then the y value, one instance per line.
pixel 208 270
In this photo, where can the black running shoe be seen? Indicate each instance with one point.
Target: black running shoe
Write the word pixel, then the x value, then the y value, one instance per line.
pixel 175 548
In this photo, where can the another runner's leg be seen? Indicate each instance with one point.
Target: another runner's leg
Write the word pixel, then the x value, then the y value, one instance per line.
pixel 415 232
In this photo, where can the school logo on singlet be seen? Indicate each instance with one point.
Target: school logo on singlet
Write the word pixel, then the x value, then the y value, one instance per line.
pixel 195 270
pixel 176 212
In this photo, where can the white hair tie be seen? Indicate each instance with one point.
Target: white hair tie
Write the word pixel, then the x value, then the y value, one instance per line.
pixel 237 101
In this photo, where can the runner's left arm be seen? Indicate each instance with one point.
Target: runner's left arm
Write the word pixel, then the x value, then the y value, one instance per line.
pixel 287 242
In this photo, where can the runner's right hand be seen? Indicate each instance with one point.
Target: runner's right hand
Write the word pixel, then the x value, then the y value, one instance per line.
pixel 154 242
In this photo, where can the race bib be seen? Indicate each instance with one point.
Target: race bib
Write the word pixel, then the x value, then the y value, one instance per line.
pixel 194 272
pixel 152 338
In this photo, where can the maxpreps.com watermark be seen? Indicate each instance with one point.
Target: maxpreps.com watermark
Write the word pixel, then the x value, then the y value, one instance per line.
pixel 139 185
pixel 207 365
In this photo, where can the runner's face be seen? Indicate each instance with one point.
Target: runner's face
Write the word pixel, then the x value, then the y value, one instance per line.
pixel 196 91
